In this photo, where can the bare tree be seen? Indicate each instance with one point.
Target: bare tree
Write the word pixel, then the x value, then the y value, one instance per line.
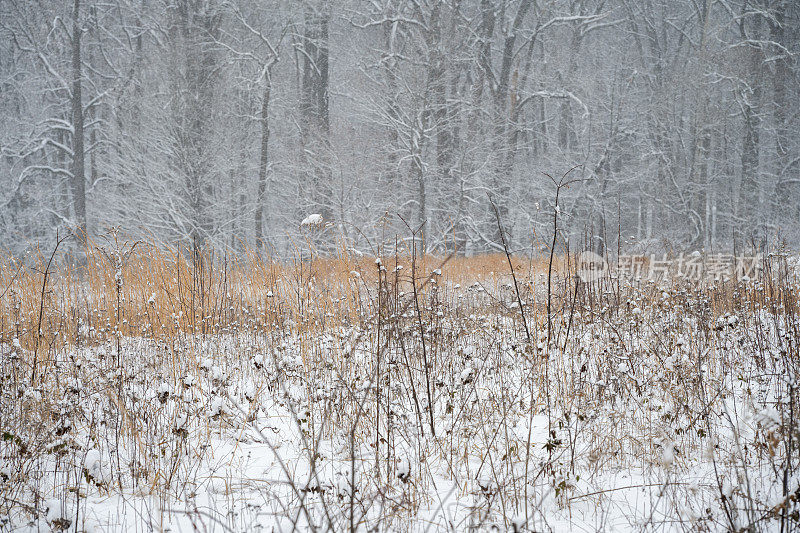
pixel 182 119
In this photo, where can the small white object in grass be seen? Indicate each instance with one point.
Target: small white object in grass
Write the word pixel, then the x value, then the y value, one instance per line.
pixel 180 420
pixel 313 220
pixel 217 407
pixel 355 274
pixel 321 394
pixel 32 394
pixel 189 381
pixel 769 419
pixel 680 341
pixel 709 451
pixel 74 385
pixel 288 361
pixel 250 391
pixel 467 375
pixel 93 464
pixel 437 272
pixel 152 299
pixel 727 488
pixel 667 454
pixel 163 392
pixel 343 483
pixel 403 469
pixel 295 393
pixel 56 511
pixel 636 311
pixel 485 481
pixel 15 343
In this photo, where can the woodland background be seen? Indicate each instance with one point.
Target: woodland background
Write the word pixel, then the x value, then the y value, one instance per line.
pixel 227 122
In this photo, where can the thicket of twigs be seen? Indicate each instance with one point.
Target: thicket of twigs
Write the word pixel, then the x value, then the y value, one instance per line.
pixel 393 392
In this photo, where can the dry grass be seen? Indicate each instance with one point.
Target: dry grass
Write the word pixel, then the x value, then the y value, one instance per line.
pixel 165 292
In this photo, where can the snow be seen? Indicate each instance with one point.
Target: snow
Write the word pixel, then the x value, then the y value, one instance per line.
pixel 313 220
pixel 250 391
pixel 217 407
pixel 404 468
pixel 59 516
pixel 254 429
pixel 93 465
pixel 467 375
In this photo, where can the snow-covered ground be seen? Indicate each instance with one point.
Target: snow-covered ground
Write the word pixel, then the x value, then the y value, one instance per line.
pixel 658 414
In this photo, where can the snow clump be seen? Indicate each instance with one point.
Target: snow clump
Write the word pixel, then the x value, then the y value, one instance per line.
pixel 313 221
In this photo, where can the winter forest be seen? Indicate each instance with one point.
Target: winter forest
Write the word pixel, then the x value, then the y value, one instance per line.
pixel 227 122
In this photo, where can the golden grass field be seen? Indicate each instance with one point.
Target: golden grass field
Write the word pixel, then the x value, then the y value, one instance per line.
pixel 144 290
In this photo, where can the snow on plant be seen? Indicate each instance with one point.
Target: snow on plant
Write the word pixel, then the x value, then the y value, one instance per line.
pixel 393 402
pixel 314 220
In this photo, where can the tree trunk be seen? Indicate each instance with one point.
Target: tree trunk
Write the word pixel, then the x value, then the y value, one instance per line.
pixel 314 109
pixel 786 211
pixel 263 162
pixel 198 26
pixel 748 203
pixel 78 166
pixel 503 123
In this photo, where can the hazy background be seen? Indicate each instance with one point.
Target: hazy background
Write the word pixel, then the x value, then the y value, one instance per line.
pixel 227 122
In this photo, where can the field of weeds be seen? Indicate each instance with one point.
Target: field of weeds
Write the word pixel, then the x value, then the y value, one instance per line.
pixel 151 389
